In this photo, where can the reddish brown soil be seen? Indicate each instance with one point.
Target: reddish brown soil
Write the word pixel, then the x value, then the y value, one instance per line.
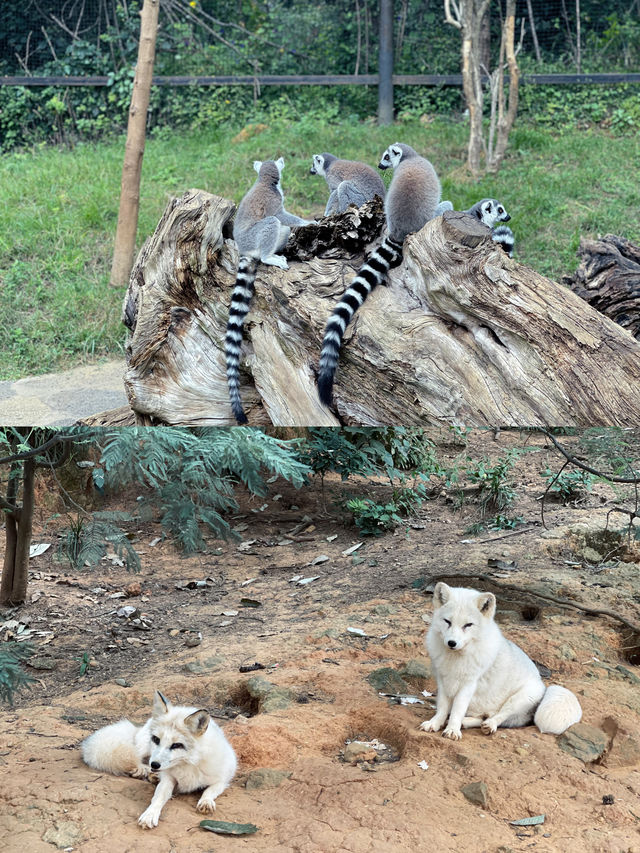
pixel 49 798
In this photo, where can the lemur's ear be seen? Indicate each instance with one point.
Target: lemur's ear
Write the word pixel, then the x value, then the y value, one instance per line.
pixel 280 163
pixel 257 164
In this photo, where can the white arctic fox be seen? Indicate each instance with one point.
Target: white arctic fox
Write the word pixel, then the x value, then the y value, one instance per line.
pixel 182 746
pixel 485 680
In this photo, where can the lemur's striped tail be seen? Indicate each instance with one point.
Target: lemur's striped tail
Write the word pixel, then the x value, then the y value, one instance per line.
pixel 373 271
pixel 503 236
pixel 238 310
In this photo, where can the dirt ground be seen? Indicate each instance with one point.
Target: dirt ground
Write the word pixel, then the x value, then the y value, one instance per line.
pixel 94 667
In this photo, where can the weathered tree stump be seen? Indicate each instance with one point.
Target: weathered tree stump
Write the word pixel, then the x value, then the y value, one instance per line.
pixel 461 334
pixel 608 278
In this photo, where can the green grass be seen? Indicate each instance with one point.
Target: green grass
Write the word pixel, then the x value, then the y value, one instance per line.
pixel 60 206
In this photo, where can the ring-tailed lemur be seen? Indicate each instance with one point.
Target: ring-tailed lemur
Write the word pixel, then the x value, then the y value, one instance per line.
pixel 412 199
pixel 489 211
pixel 261 229
pixel 350 182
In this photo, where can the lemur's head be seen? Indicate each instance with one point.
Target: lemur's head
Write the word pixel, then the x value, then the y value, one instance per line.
pixel 489 211
pixel 321 163
pixel 269 171
pixel 395 154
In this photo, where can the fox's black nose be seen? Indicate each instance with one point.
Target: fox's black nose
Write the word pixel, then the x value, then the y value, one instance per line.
pixel 155 765
pixel 452 644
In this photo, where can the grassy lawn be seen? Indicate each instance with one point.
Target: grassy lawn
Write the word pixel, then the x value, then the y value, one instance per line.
pixel 60 208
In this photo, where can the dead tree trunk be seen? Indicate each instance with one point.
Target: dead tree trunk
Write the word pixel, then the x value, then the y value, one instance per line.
pixel 608 278
pixel 461 334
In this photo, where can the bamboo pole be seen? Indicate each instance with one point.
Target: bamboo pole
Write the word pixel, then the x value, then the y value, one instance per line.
pixel 125 241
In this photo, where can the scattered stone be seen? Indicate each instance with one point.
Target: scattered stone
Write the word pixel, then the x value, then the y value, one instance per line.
pixel 133 589
pixel 477 793
pixel 584 742
pixel 266 777
pixel 608 800
pixel 358 751
pixel 383 609
pixel 567 653
pixel 415 668
pixel 388 680
pixel 200 666
pixel 193 639
pixel 41 663
pixel 64 834
pixel 122 682
pixel 624 749
pixel 591 555
pixel 626 673
pixel 462 760
pixel 270 696
pixel 521 750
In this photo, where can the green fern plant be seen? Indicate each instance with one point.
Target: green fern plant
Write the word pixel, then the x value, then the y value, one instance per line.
pixel 12 675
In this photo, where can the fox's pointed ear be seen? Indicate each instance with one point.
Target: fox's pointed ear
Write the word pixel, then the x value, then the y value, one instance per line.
pixel 486 604
pixel 161 704
pixel 257 164
pixel 441 594
pixel 197 722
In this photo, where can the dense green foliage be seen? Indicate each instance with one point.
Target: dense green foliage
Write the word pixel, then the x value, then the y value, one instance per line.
pixel 190 475
pixel 12 675
pixel 287 37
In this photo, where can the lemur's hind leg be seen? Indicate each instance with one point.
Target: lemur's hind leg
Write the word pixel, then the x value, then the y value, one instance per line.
pixel 349 194
pixel 272 237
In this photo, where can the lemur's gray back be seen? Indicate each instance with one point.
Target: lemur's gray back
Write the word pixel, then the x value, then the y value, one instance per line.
pixel 363 177
pixel 262 200
pixel 414 194
pixel 412 200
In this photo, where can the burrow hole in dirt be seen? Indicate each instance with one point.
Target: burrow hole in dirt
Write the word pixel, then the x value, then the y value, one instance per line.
pixel 241 702
pixel 374 740
pixel 630 646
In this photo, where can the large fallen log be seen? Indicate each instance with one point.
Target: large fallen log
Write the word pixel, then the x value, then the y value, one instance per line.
pixel 461 334
pixel 608 278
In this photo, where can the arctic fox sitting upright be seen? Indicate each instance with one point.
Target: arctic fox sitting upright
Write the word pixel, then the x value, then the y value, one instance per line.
pixel 182 746
pixel 485 680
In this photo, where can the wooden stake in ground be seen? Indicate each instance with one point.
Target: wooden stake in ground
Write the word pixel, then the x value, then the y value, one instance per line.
pixel 461 333
pixel 125 242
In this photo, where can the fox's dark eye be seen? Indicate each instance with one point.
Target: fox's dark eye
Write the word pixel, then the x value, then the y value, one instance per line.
pixel 448 623
pixel 177 746
pixel 155 739
pixel 468 625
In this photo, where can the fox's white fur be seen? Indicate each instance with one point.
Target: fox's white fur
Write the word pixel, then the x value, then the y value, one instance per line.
pixel 182 746
pixel 485 680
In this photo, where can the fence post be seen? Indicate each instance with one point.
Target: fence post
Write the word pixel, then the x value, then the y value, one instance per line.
pixel 385 64
pixel 125 242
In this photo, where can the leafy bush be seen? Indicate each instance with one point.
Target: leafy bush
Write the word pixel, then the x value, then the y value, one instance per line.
pixel 12 675
pixel 190 475
pixel 495 490
pixel 569 485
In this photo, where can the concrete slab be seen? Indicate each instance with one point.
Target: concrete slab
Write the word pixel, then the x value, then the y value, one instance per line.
pixel 60 399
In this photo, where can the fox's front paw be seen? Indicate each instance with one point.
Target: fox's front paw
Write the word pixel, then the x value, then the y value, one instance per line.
pixel 432 725
pixel 140 772
pixel 489 726
pixel 206 806
pixel 453 734
pixel 149 818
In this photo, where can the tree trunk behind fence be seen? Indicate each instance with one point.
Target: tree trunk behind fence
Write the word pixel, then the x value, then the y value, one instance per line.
pixel 125 241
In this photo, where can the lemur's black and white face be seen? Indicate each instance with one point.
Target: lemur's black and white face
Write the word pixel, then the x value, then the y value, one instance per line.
pixel 491 211
pixel 317 166
pixel 391 157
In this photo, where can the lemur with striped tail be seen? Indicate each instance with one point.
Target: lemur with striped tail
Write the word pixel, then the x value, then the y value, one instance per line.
pixel 412 199
pixel 261 230
pixel 349 182
pixel 489 211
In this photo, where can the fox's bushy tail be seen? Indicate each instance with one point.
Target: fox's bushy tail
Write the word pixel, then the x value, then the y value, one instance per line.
pixel 372 273
pixel 558 709
pixel 238 310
